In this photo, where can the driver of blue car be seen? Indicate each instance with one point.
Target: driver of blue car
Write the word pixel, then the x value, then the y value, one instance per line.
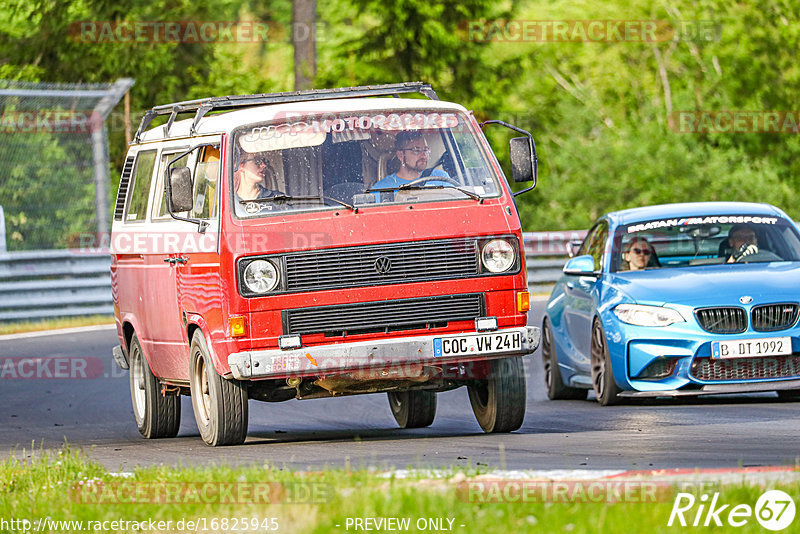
pixel 638 254
pixel 742 241
pixel 412 152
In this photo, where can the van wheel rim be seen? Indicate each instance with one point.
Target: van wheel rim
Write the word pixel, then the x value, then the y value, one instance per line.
pixel 205 404
pixel 139 394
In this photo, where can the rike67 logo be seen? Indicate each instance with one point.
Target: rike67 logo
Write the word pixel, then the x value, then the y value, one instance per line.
pixel 774 510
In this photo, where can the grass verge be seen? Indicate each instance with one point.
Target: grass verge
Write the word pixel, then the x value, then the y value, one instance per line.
pixel 66 486
pixel 54 324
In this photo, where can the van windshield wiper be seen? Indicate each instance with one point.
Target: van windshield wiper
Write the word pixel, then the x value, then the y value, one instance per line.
pixel 470 194
pixel 444 183
pixel 283 198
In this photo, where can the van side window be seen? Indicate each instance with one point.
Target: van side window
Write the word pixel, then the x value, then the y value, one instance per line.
pixel 205 184
pixel 166 158
pixel 137 205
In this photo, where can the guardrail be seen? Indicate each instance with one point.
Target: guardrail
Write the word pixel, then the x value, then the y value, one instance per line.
pixel 545 255
pixel 60 283
pixel 54 283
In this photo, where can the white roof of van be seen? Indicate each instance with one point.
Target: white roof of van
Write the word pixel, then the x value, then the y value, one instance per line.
pixel 227 121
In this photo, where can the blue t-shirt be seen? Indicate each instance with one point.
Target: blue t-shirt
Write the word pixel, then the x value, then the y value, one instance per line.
pixel 393 180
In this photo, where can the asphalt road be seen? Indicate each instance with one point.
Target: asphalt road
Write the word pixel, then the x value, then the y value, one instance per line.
pixel 95 413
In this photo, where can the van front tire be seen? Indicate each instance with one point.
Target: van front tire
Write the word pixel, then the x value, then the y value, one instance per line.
pixel 498 401
pixel 157 415
pixel 220 405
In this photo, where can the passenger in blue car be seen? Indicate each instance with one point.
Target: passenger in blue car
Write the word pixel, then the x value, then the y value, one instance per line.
pixel 638 254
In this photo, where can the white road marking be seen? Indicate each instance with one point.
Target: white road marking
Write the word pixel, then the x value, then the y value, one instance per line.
pixel 58 331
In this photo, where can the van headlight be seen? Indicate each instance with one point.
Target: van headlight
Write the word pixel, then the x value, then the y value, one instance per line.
pixel 260 276
pixel 498 255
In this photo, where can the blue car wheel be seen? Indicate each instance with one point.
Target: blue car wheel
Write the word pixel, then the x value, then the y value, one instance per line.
pixel 605 387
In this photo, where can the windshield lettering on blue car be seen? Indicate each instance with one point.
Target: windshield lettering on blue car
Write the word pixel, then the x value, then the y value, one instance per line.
pixel 687 221
pixel 704 240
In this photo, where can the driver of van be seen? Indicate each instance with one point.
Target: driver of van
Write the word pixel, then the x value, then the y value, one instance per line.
pixel 413 153
pixel 248 178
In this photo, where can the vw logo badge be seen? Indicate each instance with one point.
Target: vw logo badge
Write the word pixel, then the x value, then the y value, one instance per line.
pixel 745 299
pixel 383 265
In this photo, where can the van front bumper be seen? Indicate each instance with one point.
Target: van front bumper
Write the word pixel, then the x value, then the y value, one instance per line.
pixel 369 355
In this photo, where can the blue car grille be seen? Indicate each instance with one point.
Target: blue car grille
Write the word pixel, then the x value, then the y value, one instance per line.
pixel 773 317
pixel 722 320
pixel 715 370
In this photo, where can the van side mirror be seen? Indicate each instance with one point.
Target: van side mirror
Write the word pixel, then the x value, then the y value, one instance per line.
pixel 180 196
pixel 523 160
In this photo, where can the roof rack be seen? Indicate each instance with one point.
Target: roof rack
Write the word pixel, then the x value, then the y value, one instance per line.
pixel 203 106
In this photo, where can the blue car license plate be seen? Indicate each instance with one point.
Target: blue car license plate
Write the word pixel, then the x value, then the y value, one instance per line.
pixel 746 348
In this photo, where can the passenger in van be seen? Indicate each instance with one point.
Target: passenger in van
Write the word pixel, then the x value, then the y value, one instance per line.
pixel 248 178
pixel 638 254
pixel 413 154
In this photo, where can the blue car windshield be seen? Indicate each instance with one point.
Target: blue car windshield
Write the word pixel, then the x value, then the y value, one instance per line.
pixel 704 240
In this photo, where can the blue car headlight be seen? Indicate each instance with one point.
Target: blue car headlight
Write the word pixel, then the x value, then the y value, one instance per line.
pixel 640 315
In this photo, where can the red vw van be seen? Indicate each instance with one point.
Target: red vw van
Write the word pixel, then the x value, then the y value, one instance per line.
pixel 318 244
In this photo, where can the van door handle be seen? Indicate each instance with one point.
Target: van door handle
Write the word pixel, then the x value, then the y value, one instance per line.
pixel 570 285
pixel 179 259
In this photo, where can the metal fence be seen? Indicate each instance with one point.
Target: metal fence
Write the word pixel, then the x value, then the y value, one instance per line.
pixel 54 168
pixel 61 283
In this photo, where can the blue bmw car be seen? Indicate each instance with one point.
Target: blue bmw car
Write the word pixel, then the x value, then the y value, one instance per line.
pixel 678 299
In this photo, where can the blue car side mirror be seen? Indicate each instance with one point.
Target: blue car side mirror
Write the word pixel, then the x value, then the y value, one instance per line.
pixel 581 266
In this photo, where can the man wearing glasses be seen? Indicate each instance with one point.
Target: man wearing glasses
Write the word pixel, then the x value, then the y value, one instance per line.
pixel 743 242
pixel 413 154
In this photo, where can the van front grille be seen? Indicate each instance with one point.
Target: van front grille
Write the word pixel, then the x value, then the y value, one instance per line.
pixel 382 264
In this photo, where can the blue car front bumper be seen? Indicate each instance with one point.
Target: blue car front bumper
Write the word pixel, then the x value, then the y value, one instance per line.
pixel 677 360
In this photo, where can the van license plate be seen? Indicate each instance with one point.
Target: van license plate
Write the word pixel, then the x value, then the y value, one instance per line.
pixel 744 348
pixel 477 344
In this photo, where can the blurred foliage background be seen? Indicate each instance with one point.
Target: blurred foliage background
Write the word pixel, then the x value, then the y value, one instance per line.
pixel 599 111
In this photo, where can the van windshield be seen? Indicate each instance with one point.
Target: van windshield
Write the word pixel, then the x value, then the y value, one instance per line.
pixel 312 162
